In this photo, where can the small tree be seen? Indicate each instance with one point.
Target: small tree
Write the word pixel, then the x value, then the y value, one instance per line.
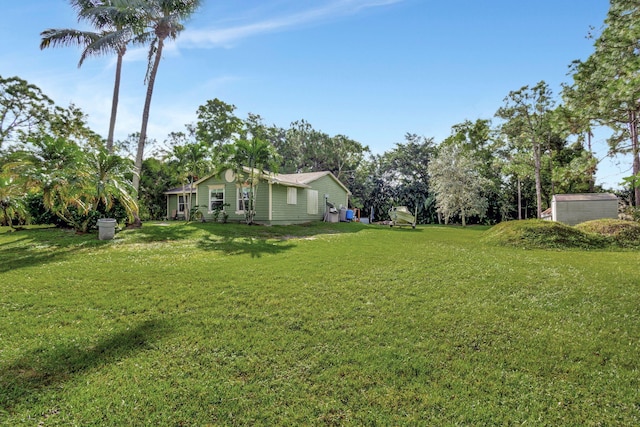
pixel 457 183
pixel 23 107
pixel 250 159
pixel 190 161
pixel 12 199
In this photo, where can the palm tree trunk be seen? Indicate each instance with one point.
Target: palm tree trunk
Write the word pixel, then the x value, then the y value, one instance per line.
pixel 114 102
pixel 145 115
pixel 145 122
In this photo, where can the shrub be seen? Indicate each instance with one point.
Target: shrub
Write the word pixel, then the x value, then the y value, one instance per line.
pixel 41 215
pixel 621 233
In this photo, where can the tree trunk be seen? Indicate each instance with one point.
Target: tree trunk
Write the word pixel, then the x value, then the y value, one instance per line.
pixel 114 102
pixel 633 129
pixel 145 115
pixel 185 210
pixel 538 171
pixel 145 122
pixel 592 179
pixel 519 199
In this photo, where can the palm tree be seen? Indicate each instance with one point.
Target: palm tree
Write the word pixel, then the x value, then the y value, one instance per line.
pixel 12 203
pixel 107 182
pixel 115 32
pixel 191 160
pixel 75 181
pixel 56 167
pixel 162 19
pixel 250 159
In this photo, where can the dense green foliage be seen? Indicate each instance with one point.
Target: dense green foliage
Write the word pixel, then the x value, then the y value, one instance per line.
pixel 337 324
pixel 606 89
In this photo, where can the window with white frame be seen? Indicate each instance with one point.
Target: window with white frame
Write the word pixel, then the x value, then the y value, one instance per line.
pixel 312 202
pixel 243 198
pixel 181 203
pixel 216 197
pixel 292 196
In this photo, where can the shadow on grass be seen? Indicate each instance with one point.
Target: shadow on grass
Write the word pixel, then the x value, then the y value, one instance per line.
pixel 242 245
pixel 404 228
pixel 161 232
pixel 236 238
pixel 255 240
pixel 40 246
pixel 278 232
pixel 44 368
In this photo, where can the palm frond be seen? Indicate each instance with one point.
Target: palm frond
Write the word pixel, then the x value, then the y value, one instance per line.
pixel 67 37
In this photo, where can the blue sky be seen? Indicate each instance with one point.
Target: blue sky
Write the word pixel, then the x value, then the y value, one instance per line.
pixel 369 69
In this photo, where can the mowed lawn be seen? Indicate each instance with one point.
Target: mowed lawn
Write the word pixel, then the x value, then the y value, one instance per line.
pixel 329 324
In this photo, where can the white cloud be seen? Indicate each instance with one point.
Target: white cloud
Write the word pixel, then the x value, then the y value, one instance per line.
pixel 226 37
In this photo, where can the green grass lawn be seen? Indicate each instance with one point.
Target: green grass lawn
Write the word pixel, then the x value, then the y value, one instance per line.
pixel 329 324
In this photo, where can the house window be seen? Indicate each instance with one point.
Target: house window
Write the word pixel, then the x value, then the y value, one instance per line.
pixel 292 196
pixel 243 199
pixel 216 198
pixel 312 202
pixel 181 203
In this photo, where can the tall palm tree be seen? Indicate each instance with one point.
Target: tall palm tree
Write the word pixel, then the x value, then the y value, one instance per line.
pixel 115 31
pixel 156 21
pixel 162 19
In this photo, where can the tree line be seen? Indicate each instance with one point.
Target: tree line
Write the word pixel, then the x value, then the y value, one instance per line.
pixel 486 171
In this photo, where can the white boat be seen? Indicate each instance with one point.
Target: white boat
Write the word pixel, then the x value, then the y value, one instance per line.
pixel 400 216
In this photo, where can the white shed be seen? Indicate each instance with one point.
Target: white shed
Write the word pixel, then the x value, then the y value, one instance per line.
pixel 573 209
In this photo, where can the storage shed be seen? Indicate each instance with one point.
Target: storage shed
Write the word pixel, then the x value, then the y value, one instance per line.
pixel 573 209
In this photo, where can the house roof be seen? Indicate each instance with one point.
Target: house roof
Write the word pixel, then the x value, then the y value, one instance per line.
pixel 301 180
pixel 304 179
pixel 584 197
pixel 182 189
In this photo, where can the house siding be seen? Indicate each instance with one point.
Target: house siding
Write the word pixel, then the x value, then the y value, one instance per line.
pixel 271 200
pixel 337 195
pixel 172 203
pixel 230 197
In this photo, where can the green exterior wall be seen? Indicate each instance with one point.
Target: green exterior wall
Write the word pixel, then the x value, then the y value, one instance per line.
pixel 284 213
pixel 172 203
pixel 337 195
pixel 268 196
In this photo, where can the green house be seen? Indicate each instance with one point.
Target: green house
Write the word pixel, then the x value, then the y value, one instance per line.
pixel 280 198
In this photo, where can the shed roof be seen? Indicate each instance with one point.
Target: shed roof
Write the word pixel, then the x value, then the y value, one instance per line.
pixel 584 197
